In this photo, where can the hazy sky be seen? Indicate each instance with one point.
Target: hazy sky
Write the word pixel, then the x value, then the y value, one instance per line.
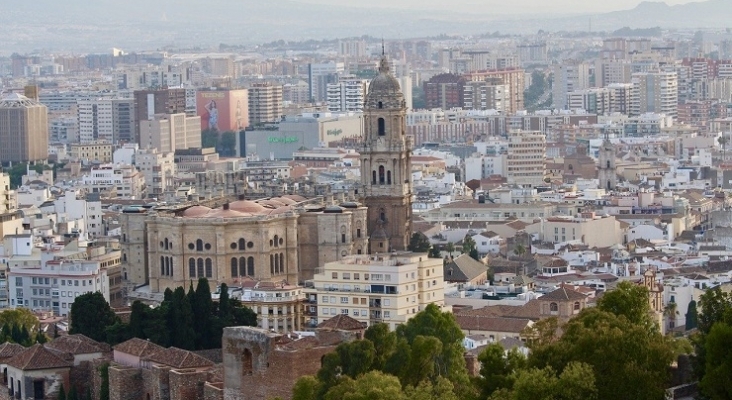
pixel 499 6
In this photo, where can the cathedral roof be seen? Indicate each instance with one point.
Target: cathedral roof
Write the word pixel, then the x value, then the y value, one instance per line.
pixel 385 85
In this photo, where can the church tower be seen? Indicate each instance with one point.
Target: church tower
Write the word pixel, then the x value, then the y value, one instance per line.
pixel 386 164
pixel 606 172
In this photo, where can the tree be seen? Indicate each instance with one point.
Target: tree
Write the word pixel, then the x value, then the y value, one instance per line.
pixel 180 321
pixel 519 250
pixel 722 140
pixel 419 243
pixel 209 138
pixel 202 313
pixel 442 389
pixel 450 248
pixel 374 385
pixel 691 316
pixel 497 370
pixel 384 343
pixel 118 333
pixel 434 252
pixel 41 337
pixel 227 143
pixel 469 248
pixel 62 393
pixel 630 301
pixel 716 382
pixel 90 315
pixel 19 317
pixel 356 358
pixel 139 316
pixel 576 382
pixel 72 394
pixel 104 386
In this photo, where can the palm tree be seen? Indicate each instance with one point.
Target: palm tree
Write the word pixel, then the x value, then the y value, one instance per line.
pixel 449 248
pixel 519 250
pixel 722 140
pixel 670 311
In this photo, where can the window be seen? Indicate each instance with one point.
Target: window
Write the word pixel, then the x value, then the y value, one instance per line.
pixel 347 275
pixel 233 267
pixel 325 311
pixel 355 313
pixel 388 177
pixel 381 174
pixel 241 244
pixel 373 177
pixel 576 305
pixel 250 266
pixel 332 300
pixel 387 302
pixel 192 267
pixel 209 268
pixel 356 276
pixel 358 233
pixel 343 238
pixel 333 311
pixel 199 265
pixel 344 311
pixel 553 307
pixel 387 314
pixel 334 275
pixel 199 245
pixel 344 300
pixel 325 299
pixel 242 266
pixel 381 126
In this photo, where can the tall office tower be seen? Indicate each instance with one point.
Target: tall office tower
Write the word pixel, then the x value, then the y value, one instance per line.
pixel 655 92
pixel 386 164
pixel 265 103
pixel 320 75
pixel 110 120
pixel 621 97
pixel 612 71
pixel 162 101
pixel 485 95
pixel 568 77
pixel 514 78
pixel 594 101
pixel 526 159
pixel 170 132
pixel 444 91
pixel 348 94
pixel 23 130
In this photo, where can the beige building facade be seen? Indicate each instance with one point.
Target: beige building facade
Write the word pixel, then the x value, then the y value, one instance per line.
pixel 526 159
pixel 23 130
pixel 170 132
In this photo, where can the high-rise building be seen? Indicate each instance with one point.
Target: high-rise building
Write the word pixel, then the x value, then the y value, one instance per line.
pixel 594 101
pixel 526 159
pixel 170 132
pixel 612 71
pixel 320 75
pixel 444 91
pixel 655 92
pixel 111 120
pixel 514 78
pixel 485 95
pixel 158 168
pixel 621 97
pixel 265 103
pixel 23 130
pixel 568 77
pixel 348 94
pixel 386 164
pixel 160 101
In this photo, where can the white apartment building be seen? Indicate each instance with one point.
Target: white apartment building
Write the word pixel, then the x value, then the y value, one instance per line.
pixel 74 206
pixel 106 119
pixel 158 168
pixel 526 159
pixel 388 288
pixel 7 196
pixel 120 181
pixel 621 97
pixel 348 94
pixel 319 75
pixel 481 166
pixel 655 92
pixel 170 132
pixel 265 103
pixel 608 72
pixel 568 77
pixel 594 101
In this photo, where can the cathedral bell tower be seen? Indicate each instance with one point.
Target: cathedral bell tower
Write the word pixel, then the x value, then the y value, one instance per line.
pixel 606 172
pixel 386 164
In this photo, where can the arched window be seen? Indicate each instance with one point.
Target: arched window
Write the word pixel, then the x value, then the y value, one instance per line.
pixel 242 266
pixel 282 262
pixel 209 268
pixel 199 245
pixel 271 264
pixel 233 267
pixel 382 215
pixel 553 307
pixel 576 305
pixel 276 241
pixel 167 266
pixel 200 267
pixel 608 163
pixel 381 174
pixel 388 177
pixel 373 177
pixel 382 127
pixel 381 104
pixel 250 266
pixel 166 243
pixel 242 244
pixel 162 265
pixel 277 264
pixel 192 267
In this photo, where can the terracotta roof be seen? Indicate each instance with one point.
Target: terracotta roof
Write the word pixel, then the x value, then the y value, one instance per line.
pixel 341 322
pixel 137 347
pixel 491 324
pixel 178 358
pixel 563 294
pixel 463 269
pixel 37 357
pixel 77 344
pixel 530 310
pixel 8 350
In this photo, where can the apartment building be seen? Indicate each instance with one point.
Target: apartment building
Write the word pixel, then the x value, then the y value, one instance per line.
pixel 23 130
pixel 111 120
pixel 655 92
pixel 388 288
pixel 348 94
pixel 158 168
pixel 170 132
pixel 526 159
pixel 568 77
pixel 265 103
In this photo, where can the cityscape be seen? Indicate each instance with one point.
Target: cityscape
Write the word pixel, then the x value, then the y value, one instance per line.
pixel 322 200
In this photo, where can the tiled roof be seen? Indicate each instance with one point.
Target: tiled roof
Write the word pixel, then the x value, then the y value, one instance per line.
pixel 341 322
pixel 8 350
pixel 137 347
pixel 491 324
pixel 563 294
pixel 37 357
pixel 178 358
pixel 77 344
pixel 463 269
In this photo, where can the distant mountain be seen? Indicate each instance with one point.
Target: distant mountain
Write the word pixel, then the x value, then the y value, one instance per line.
pixel 83 25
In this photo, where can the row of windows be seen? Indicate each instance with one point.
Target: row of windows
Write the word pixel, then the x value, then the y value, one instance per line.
pixel 47 281
pixel 242 266
pixel 355 313
pixel 277 263
pixel 196 268
pixel 241 244
pixel 166 266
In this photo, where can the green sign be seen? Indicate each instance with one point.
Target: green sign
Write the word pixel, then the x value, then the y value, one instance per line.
pixel 334 132
pixel 286 139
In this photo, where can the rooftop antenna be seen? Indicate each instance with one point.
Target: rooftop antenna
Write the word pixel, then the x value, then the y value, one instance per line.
pixel 383 50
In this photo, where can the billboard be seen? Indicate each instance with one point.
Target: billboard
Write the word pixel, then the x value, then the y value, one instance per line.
pixel 223 110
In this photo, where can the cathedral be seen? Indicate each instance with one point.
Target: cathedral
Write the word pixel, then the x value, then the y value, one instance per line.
pixel 386 165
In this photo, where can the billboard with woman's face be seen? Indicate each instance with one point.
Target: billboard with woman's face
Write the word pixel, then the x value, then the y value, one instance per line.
pixel 223 110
